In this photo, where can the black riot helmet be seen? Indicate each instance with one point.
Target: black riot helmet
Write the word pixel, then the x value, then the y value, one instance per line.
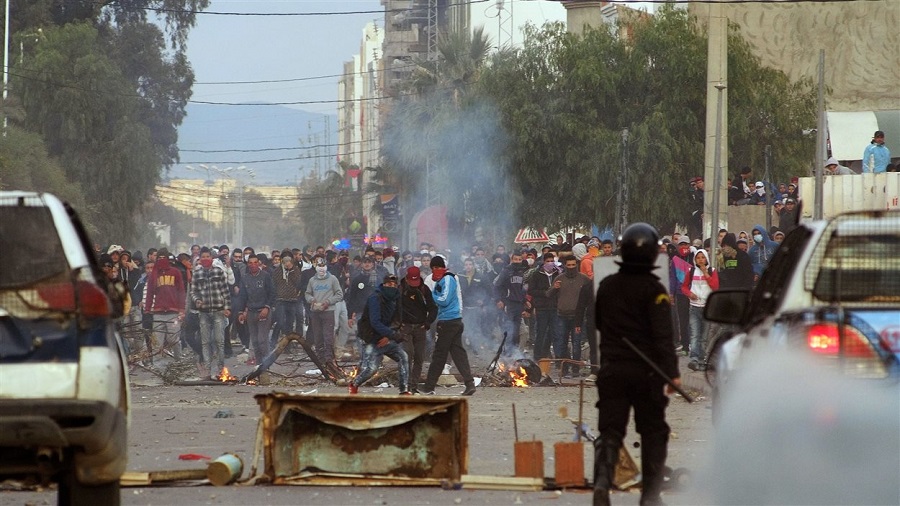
pixel 639 245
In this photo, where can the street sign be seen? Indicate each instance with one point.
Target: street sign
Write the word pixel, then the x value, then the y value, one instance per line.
pixel 529 235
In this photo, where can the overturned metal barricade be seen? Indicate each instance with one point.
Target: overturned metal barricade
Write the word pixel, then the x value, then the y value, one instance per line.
pixel 362 440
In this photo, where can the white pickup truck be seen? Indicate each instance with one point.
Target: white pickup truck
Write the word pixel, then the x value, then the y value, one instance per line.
pixel 64 394
pixel 832 289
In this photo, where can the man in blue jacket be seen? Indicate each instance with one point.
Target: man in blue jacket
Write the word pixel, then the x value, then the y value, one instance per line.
pixel 448 297
pixel 377 330
pixel 762 250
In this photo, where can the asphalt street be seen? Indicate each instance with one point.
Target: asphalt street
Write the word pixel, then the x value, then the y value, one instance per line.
pixel 168 421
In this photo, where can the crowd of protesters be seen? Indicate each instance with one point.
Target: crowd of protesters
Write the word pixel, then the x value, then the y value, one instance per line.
pixel 214 303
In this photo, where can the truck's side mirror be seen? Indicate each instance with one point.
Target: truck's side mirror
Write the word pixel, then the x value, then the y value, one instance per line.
pixel 726 306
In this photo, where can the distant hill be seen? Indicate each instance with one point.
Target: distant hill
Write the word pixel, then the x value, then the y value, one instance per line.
pixel 217 127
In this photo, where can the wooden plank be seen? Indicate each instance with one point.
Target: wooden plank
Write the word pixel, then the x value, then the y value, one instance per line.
pixel 134 479
pixel 145 479
pixel 483 482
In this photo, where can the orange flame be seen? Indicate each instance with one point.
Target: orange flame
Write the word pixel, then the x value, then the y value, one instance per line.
pixel 226 376
pixel 519 378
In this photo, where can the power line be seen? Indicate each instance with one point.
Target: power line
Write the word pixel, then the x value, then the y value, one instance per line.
pixel 470 2
pixel 312 146
pixel 287 14
pixel 296 79
pixel 297 158
pixel 299 102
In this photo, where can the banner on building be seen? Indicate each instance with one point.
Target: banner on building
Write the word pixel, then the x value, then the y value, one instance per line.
pixel 390 212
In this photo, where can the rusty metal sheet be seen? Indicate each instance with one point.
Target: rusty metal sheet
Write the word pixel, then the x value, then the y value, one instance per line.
pixel 363 440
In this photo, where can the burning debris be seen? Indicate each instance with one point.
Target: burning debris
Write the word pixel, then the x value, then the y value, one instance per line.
pixel 226 377
pixel 521 373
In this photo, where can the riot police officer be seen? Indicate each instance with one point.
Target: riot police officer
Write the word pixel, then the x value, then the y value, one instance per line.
pixel 633 304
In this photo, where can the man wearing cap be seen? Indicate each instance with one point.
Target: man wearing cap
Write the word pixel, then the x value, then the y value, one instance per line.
pixel 834 168
pixel 758 197
pixel 377 328
pixel 417 312
pixel 876 156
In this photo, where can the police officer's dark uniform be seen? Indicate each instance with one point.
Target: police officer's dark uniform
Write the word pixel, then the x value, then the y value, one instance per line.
pixel 634 304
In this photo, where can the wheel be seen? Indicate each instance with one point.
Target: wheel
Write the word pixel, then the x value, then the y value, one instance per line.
pixel 73 493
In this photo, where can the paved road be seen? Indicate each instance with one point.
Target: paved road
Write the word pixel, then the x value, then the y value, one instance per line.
pixel 172 420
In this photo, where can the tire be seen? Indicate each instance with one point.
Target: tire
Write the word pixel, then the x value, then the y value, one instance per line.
pixel 73 493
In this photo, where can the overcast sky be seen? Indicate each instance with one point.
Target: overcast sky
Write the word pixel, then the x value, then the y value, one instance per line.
pixel 255 48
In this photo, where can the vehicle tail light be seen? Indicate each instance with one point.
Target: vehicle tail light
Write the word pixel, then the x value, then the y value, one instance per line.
pixel 825 338
pixel 860 357
pixel 91 300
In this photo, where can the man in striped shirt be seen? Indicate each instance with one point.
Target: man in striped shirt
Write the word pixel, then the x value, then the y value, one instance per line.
pixel 212 298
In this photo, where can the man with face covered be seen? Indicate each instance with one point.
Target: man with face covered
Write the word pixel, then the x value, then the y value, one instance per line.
pixel 682 303
pixel 165 299
pixel 572 292
pixel 323 292
pixel 212 298
pixel 378 330
pixel 510 292
pixel 362 285
pixel 256 299
pixel 448 298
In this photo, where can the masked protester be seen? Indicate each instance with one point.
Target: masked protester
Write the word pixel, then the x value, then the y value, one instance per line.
pixel 572 292
pixel 323 292
pixel 633 304
pixel 211 297
pixel 510 292
pixel 165 299
pixel 256 298
pixel 448 298
pixel 377 328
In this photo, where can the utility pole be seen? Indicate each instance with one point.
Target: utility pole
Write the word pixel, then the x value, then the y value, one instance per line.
pixel 5 63
pixel 767 178
pixel 717 179
pixel 821 135
pixel 622 190
pixel 716 122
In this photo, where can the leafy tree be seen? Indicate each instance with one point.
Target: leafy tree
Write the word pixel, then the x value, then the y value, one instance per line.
pixel 261 218
pixel 565 99
pixel 88 115
pixel 106 89
pixel 326 208
pixel 26 165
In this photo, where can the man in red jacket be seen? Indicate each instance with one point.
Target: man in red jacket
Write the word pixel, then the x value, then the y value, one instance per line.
pixel 165 300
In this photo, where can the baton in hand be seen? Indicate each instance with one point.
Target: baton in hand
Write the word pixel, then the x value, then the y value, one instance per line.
pixel 659 371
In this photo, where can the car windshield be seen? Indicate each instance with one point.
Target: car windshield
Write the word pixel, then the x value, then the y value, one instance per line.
pixel 860 268
pixel 29 245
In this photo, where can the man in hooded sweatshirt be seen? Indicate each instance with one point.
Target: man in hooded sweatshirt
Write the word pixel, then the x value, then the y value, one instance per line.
pixel 165 299
pixel 735 266
pixel 510 289
pixel 698 284
pixel 762 250
pixel 377 328
pixel 323 292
